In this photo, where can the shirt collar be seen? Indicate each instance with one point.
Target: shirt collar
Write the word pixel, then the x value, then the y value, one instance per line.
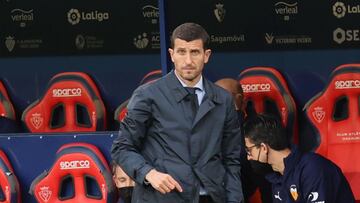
pixel 290 163
pixel 292 159
pixel 199 84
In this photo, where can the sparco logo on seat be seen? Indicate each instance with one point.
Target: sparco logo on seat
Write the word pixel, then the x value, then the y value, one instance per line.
pixel 68 92
pixel 76 164
pixel 347 84
pixel 259 87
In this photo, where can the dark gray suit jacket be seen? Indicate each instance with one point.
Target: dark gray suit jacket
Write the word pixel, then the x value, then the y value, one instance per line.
pixel 158 133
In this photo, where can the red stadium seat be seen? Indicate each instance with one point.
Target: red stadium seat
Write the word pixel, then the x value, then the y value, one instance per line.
pixel 151 76
pixel 335 113
pixel 256 197
pixel 71 103
pixel 121 110
pixel 265 90
pixel 6 107
pixel 80 173
pixel 9 185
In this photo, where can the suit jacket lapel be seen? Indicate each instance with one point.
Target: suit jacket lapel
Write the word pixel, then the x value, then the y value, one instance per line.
pixel 179 92
pixel 209 102
pixel 176 88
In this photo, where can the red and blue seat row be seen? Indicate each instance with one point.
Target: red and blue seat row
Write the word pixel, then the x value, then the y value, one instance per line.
pixel 72 103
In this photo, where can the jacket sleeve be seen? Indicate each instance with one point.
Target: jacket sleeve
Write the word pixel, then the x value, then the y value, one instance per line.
pixel 324 182
pixel 125 149
pixel 231 148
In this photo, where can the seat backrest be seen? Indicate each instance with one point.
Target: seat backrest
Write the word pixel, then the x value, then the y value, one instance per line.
pixel 80 173
pixel 71 103
pixel 265 90
pixel 9 185
pixel 151 76
pixel 121 110
pixel 6 107
pixel 335 114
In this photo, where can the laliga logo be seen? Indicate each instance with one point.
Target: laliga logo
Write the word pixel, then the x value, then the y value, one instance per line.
pixel 339 9
pixel 261 87
pixel 70 92
pixel 74 16
pixel 76 164
pixel 347 84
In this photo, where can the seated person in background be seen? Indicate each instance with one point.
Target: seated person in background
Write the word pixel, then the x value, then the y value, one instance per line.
pixel 297 176
pixel 252 176
pixel 123 183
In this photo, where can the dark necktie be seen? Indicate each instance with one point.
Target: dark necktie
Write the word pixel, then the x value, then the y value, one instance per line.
pixel 193 100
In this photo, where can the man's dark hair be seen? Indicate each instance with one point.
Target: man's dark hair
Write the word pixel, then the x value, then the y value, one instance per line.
pixel 268 129
pixel 190 32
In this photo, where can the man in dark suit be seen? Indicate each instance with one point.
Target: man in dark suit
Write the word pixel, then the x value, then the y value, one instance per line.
pixel 178 150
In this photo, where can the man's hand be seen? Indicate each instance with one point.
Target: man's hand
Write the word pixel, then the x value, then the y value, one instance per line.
pixel 162 182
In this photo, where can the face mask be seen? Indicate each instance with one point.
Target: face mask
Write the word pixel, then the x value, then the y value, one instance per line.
pixel 260 168
pixel 126 193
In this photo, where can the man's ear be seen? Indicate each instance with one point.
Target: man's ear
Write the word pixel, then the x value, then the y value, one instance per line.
pixel 240 96
pixel 264 147
pixel 207 55
pixel 171 53
pixel 239 102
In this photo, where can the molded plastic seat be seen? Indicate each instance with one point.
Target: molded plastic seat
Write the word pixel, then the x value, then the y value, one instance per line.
pixel 80 173
pixel 121 110
pixel 71 103
pixel 6 107
pixel 335 114
pixel 9 185
pixel 265 90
